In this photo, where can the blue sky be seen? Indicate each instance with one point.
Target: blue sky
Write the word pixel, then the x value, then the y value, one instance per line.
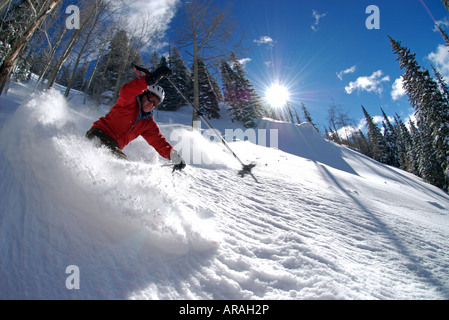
pixel 323 52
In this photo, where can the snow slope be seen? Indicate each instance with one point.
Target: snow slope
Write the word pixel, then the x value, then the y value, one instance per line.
pixel 324 223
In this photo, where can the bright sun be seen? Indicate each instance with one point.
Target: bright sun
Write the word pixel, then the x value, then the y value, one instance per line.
pixel 277 95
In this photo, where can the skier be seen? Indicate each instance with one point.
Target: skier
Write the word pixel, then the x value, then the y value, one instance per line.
pixel 132 116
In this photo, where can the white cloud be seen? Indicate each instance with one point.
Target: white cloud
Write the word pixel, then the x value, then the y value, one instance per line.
pixel 444 22
pixel 378 119
pixel 317 16
pixel 349 70
pixel 265 40
pixel 440 59
pixel 398 91
pixel 369 84
pixel 244 61
pixel 158 13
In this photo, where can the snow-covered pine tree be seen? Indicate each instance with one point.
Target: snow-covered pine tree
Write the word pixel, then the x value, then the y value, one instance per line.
pixel 429 167
pixel 230 84
pixel 181 77
pixel 171 101
pixel 270 112
pixel 442 83
pixel 216 88
pixel 307 116
pixel 414 150
pixel 360 143
pixel 333 135
pixel 443 34
pixel 431 107
pixel 297 117
pixel 404 143
pixel 208 100
pixel 239 94
pixel 254 107
pixel 391 141
pixel 376 139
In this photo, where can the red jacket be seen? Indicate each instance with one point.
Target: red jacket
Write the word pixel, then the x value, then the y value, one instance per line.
pixel 121 122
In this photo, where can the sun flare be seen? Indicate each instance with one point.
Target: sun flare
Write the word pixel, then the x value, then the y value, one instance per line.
pixel 277 95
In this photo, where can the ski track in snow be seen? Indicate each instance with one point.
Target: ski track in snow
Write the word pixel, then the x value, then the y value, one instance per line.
pixel 324 223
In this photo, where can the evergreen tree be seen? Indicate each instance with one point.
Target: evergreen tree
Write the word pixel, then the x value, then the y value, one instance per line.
pixel 154 61
pixel 446 4
pixel 404 143
pixel 22 71
pixel 171 101
pixel 230 85
pixel 431 107
pixel 443 34
pixel 181 77
pixel 216 88
pixel 270 112
pixel 391 141
pixel 108 68
pixel 111 68
pixel 414 150
pixel 429 168
pixel 298 118
pixel 307 116
pixel 360 143
pixel 442 83
pixel 376 139
pixel 64 77
pixel 208 100
pixel 239 94
pixel 333 136
pixel 79 80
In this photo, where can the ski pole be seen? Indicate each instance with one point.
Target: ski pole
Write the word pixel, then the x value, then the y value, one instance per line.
pixel 246 167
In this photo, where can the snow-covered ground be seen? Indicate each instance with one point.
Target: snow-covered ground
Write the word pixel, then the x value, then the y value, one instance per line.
pixel 324 223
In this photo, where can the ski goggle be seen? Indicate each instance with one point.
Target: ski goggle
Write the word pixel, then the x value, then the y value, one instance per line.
pixel 152 98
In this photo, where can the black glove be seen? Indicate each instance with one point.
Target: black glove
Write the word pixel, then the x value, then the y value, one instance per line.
pixel 157 75
pixel 178 162
pixel 179 166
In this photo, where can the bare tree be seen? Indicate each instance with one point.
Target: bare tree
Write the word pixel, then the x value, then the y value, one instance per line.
pixel 338 119
pixel 92 10
pixel 3 4
pixel 52 50
pixel 206 32
pixel 10 61
pixel 100 8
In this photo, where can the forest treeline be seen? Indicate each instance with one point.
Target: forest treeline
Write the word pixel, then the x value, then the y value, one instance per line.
pixel 96 59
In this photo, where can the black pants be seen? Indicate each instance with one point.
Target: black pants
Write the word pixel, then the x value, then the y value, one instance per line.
pixel 106 141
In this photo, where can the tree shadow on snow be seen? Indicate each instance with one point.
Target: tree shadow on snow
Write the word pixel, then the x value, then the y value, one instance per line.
pixel 414 264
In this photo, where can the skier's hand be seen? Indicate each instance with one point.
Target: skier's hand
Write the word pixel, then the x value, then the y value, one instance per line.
pixel 178 162
pixel 157 75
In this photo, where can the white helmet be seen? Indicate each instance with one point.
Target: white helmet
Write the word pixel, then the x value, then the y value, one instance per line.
pixel 157 91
